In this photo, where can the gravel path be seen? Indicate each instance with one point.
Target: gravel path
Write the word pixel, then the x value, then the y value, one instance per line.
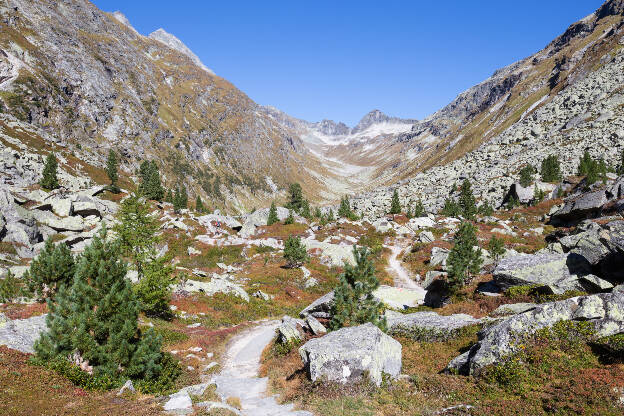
pixel 239 376
pixel 401 276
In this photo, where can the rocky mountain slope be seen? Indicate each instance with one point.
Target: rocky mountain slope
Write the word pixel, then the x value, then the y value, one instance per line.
pixel 563 100
pixel 88 80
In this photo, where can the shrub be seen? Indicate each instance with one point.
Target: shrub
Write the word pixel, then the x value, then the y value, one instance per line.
pixel 526 176
pixel 538 195
pixel 418 209
pixel 295 252
pixel 330 216
pixel 354 303
pixel 485 209
pixel 49 181
pixel 395 204
pixel 305 209
pixel 180 199
pixel 551 169
pixel 272 215
pixel 53 268
pixel 592 169
pixel 464 260
pixel 95 320
pixel 11 288
pixel 199 205
pixel 451 208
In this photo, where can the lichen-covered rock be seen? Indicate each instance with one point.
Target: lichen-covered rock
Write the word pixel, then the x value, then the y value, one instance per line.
pixel 288 331
pixel 586 205
pixel 557 272
pixel 605 311
pixel 429 326
pixel 398 297
pixel 513 309
pixel 439 256
pixel 320 308
pixel 216 285
pixel 21 334
pixel 348 354
pixel 315 326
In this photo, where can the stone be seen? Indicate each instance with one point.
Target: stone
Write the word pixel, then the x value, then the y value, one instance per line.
pixel 62 224
pixel 195 390
pixel 556 272
pixel 439 256
pixel 347 354
pixel 331 254
pixel 85 208
pixel 420 223
pixel 216 285
pixel 430 276
pixel 261 295
pixel 398 297
pixel 179 403
pixel 128 387
pixel 288 331
pixel 604 311
pixel 426 237
pixel 513 309
pixel 586 205
pixel 315 326
pixel 192 251
pixel 217 406
pixel 21 334
pixel 320 308
pixel 429 326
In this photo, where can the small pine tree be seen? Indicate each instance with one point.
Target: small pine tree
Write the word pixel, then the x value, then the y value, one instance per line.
pixel 419 209
pixel 467 202
pixel 354 303
pixel 538 195
pixel 592 169
pixel 153 290
pixel 136 231
pixel 169 197
pixel 95 321
pixel 53 268
pixel 295 252
pixel 49 181
pixel 551 169
pixel 485 209
pixel 496 247
pixel 395 204
pixel 183 197
pixel 526 176
pixel 272 219
pixel 150 186
pixel 512 203
pixel 330 216
pixel 464 260
pixel 296 197
pixel 111 170
pixel 290 219
pixel 317 212
pixel 451 208
pixel 11 288
pixel 199 205
pixel 177 201
pixel 305 210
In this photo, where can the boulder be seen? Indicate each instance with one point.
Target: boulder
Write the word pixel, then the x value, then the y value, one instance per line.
pixel 259 218
pixel 288 331
pixel 556 272
pixel 61 207
pixel 429 326
pixel 21 334
pixel 59 224
pixel 439 256
pixel 605 311
pixel 399 298
pixel 348 354
pixel 315 326
pixel 513 309
pixel 426 237
pixel 320 308
pixel 216 285
pixel 128 387
pixel 331 254
pixel 420 223
pixel 85 208
pixel 582 206
pixel 179 403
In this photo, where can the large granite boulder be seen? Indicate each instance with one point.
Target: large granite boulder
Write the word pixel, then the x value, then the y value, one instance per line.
pixel 21 334
pixel 217 284
pixel 289 330
pixel 578 207
pixel 557 273
pixel 398 297
pixel 429 326
pixel 320 308
pixel 348 354
pixel 605 311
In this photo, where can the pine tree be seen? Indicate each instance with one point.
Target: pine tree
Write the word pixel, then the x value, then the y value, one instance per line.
pixel 464 260
pixel 290 219
pixel 419 209
pixel 344 211
pixel 620 167
pixel 485 209
pixel 296 198
pixel 317 212
pixel 551 169
pixel 150 186
pixel 526 176
pixel 395 204
pixel 305 210
pixel 451 208
pixel 169 197
pixel 111 170
pixel 538 195
pixel 177 200
pixel 467 201
pixel 136 231
pixel 183 197
pixel 272 219
pixel 295 252
pixel 496 247
pixel 153 290
pixel 354 303
pixel 330 216
pixel 199 205
pixel 53 268
pixel 11 288
pixel 49 181
pixel 592 169
pixel 94 320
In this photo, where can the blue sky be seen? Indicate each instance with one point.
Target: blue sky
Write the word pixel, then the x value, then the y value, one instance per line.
pixel 340 59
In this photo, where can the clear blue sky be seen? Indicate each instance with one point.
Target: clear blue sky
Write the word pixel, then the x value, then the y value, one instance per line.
pixel 340 59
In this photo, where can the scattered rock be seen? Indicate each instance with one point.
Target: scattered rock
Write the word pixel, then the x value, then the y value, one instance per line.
pixel 513 309
pixel 21 334
pixel 426 237
pixel 429 326
pixel 179 403
pixel 288 331
pixel 347 354
pixel 398 297
pixel 315 326
pixel 320 308
pixel 128 387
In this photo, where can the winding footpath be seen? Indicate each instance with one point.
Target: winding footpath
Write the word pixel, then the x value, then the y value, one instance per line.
pixel 239 376
pixel 401 276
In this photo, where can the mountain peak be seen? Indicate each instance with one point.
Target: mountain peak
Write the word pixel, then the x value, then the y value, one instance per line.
pixel 121 18
pixel 162 36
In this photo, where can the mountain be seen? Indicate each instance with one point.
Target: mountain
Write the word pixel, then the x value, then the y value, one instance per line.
pixel 563 100
pixel 88 80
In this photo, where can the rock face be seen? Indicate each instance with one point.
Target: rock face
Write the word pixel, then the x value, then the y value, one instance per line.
pixel 557 272
pixel 429 326
pixel 347 354
pixel 586 205
pixel 21 334
pixel 605 311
